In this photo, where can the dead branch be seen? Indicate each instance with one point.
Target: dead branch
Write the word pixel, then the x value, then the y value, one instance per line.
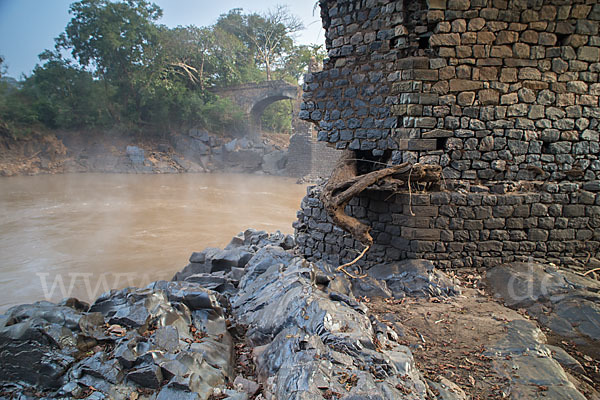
pixel 345 184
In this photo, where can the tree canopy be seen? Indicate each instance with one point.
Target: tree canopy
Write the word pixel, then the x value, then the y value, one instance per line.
pixel 115 64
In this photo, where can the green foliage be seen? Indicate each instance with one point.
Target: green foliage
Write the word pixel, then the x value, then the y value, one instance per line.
pixel 221 115
pixel 67 97
pixel 16 106
pixel 118 42
pixel 277 117
pixel 114 65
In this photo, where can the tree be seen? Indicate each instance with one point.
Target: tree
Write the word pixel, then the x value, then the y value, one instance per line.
pixel 65 96
pixel 270 33
pixel 203 57
pixel 267 35
pixel 118 42
pixel 298 61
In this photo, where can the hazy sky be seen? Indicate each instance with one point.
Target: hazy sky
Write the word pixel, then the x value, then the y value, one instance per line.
pixel 28 27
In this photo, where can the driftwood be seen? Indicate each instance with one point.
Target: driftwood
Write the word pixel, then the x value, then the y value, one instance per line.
pixel 345 183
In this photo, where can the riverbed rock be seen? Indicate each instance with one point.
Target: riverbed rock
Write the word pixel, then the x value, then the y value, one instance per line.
pixel 274 163
pixel 524 359
pixel 188 165
pixel 306 334
pixel 226 259
pixel 244 160
pixel 563 301
pixel 136 155
pixel 168 334
pixel 38 344
pixel 415 278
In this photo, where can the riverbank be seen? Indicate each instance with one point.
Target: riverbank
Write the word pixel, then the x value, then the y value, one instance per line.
pixel 105 151
pixel 256 321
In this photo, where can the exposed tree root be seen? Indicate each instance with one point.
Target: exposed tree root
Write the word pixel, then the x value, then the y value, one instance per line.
pixel 591 270
pixel 345 183
pixel 344 266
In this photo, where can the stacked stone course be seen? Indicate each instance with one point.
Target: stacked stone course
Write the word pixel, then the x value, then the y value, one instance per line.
pixel 503 94
pixel 557 222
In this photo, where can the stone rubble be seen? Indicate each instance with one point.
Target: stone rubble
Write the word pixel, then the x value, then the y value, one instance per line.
pixel 311 336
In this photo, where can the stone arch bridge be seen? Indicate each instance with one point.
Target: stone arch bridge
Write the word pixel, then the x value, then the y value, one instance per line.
pixel 254 98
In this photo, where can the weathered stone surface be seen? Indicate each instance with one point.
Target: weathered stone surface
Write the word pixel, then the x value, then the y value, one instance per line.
pixel 306 331
pixel 414 278
pixel 524 358
pixel 570 299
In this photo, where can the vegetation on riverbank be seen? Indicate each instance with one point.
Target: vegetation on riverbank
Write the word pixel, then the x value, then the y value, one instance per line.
pixel 115 66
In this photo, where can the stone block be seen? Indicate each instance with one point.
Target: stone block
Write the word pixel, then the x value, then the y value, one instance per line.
pixel 421 144
pixel 476 24
pixel 461 85
pixel 425 211
pixel 588 53
pixel 574 210
pixel 485 37
pixel 460 5
pixel 492 245
pixel 537 235
pixel 444 39
pixel 465 98
pixel 436 4
pixel 562 234
pixel 505 37
pixel 420 233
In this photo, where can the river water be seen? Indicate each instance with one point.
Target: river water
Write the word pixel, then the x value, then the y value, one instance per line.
pixel 81 234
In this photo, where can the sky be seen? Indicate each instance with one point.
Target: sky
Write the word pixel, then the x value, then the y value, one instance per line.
pixel 28 27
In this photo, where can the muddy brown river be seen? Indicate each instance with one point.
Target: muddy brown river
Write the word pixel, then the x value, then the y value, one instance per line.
pixel 80 235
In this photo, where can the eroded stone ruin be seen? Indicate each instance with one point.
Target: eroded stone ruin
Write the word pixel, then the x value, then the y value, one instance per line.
pixel 502 94
pixel 499 96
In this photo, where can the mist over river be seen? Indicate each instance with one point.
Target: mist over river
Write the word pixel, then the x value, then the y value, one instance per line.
pixel 81 234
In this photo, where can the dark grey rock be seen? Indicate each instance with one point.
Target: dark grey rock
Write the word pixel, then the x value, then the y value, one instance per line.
pixel 523 357
pixel 248 386
pixel 149 376
pixel 565 359
pixel 274 163
pixel 192 268
pixel 38 344
pixel 311 336
pixel 561 300
pixel 583 315
pixel 198 257
pixel 167 338
pixel 249 160
pixel 262 260
pixel 169 393
pixel 214 282
pixel 414 278
pixel 226 259
pixel 521 284
pixel 190 294
pixel 370 287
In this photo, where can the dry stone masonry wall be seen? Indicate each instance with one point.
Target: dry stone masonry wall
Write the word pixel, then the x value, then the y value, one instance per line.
pixel 503 94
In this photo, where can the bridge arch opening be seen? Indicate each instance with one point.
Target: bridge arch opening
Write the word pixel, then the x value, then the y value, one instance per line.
pixel 259 108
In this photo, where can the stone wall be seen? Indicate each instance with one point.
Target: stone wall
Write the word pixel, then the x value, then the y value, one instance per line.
pixel 500 93
pixel 558 222
pixel 310 158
